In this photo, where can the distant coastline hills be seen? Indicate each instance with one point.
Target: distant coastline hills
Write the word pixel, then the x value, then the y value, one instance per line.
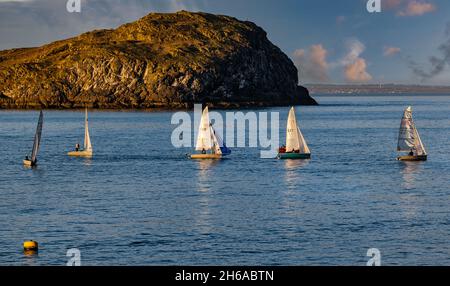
pixel 376 89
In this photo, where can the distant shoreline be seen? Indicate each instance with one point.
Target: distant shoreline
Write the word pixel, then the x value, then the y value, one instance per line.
pixel 378 94
pixel 371 89
pixel 156 109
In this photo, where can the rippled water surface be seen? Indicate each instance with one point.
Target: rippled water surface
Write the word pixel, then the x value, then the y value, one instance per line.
pixel 139 201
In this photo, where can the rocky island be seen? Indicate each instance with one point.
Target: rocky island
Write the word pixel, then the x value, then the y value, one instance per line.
pixel 162 60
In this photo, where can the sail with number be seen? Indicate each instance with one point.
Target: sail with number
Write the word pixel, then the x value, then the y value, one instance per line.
pixel 409 138
pixel 295 142
pixel 87 138
pixel 292 142
pixel 37 138
pixel 204 133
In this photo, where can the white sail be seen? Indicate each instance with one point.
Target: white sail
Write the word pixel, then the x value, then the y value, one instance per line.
pixel 87 138
pixel 37 138
pixel 292 136
pixel 419 145
pixel 406 135
pixel 204 139
pixel 304 149
pixel 408 138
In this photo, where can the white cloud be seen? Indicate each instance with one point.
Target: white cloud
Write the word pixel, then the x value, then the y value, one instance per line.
pixel 390 51
pixel 312 65
pixel 417 8
pixel 355 67
pixel 357 71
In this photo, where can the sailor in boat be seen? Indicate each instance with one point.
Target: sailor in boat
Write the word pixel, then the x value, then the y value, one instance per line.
pixel 411 153
pixel 27 158
pixel 293 150
pixel 203 151
pixel 77 147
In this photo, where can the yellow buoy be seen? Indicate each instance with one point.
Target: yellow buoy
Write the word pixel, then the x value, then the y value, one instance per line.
pixel 30 245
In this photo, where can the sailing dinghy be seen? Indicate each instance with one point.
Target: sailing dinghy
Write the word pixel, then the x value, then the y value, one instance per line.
pixel 87 150
pixel 409 139
pixel 32 161
pixel 296 147
pixel 209 143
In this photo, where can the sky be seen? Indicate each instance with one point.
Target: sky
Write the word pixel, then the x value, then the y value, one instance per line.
pixel 408 42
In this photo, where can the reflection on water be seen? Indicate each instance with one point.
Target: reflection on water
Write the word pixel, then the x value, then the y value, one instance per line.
pixel 293 178
pixel 204 173
pixel 241 210
pixel 292 171
pixel 35 170
pixel 410 202
pixel 410 171
pixel 30 253
pixel 87 162
pixel 203 217
pixel 31 257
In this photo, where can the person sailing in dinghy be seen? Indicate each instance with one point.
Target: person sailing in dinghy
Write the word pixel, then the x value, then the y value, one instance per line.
pixel 283 150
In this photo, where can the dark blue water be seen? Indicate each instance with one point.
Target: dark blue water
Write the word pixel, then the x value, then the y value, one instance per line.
pixel 139 201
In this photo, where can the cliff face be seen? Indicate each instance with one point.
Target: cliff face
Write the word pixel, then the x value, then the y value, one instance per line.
pixel 161 60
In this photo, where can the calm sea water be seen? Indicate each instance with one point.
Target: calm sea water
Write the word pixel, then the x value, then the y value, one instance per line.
pixel 139 201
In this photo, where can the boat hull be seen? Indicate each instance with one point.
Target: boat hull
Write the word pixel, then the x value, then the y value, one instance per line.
pixel 412 158
pixel 80 154
pixel 293 156
pixel 206 156
pixel 28 163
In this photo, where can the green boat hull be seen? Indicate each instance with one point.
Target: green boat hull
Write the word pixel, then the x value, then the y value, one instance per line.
pixel 284 156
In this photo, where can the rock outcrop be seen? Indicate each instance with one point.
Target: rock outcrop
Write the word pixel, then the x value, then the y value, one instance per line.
pixel 160 61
